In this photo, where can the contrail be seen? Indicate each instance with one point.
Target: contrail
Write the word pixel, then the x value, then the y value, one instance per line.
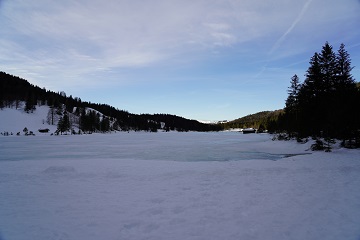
pixel 297 20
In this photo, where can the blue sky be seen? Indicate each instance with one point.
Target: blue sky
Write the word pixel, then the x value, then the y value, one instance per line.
pixel 200 59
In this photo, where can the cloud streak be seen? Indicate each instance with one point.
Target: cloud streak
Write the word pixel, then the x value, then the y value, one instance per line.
pixel 291 28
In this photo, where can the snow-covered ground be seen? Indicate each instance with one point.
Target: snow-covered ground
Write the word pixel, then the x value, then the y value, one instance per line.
pixel 15 120
pixel 175 186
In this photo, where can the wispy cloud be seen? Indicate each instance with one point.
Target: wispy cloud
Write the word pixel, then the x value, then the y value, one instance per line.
pixel 292 26
pixel 74 38
pixel 127 27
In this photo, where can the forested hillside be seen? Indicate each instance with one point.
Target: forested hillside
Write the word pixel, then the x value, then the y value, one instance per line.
pixel 266 120
pixel 90 116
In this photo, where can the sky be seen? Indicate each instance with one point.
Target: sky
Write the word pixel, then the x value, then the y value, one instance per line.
pixel 199 59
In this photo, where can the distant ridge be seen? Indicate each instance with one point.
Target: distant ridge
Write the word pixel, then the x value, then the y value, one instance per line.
pixel 14 89
pixel 261 120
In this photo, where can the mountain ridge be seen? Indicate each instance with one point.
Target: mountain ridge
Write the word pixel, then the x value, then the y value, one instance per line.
pixel 14 90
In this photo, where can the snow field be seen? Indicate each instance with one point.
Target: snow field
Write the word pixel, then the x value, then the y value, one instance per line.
pixel 15 120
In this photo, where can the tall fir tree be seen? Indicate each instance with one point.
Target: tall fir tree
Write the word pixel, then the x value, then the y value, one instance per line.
pixel 292 105
pixel 343 69
pixel 308 98
pixel 30 103
pixel 312 84
pixel 345 103
pixel 64 123
pixel 327 60
pixel 325 111
pixel 293 94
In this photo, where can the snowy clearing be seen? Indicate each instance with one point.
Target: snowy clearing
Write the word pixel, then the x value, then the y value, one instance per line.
pixel 207 186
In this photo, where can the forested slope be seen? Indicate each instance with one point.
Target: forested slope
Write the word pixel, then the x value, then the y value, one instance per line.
pixel 14 90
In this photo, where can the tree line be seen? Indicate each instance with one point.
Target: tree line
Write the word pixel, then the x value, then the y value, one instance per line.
pixel 265 120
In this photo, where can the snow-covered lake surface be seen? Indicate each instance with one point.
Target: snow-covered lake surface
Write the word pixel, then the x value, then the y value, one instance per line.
pixel 176 186
pixel 223 146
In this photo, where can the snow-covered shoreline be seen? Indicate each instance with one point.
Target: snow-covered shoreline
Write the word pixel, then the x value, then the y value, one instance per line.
pixel 50 190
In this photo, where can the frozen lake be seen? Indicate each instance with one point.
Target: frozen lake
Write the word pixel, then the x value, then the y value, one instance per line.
pixel 161 186
pixel 173 146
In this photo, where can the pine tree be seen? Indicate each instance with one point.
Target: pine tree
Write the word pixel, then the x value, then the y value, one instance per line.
pixel 327 60
pixel 344 97
pixel 292 105
pixel 308 119
pixel 325 111
pixel 293 93
pixel 344 78
pixel 64 123
pixel 30 103
pixel 312 84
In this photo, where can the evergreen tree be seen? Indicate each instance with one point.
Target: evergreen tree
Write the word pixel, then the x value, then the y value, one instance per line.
pixel 344 78
pixel 105 124
pixel 30 103
pixel 308 98
pixel 293 93
pixel 292 104
pixel 64 123
pixel 345 103
pixel 327 60
pixel 326 101
pixel 25 130
pixel 312 84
